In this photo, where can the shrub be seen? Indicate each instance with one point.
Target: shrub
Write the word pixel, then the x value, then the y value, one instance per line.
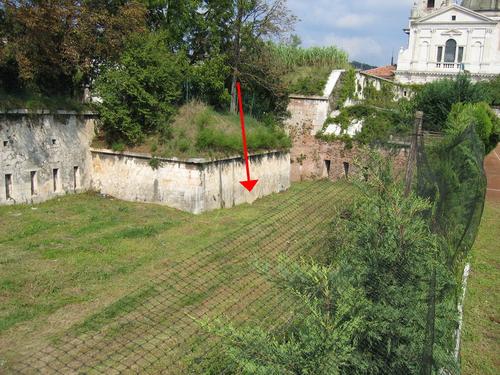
pixel 436 99
pixel 348 86
pixel 140 92
pixel 207 82
pixel 480 115
pixel 364 308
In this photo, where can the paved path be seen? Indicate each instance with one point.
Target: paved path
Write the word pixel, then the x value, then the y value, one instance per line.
pixel 492 167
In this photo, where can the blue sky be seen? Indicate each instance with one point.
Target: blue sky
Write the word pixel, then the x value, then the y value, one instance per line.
pixel 369 30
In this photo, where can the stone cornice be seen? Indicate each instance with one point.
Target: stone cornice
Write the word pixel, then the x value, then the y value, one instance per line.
pixel 441 74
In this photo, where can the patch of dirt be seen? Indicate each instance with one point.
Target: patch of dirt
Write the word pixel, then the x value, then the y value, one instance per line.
pixel 492 167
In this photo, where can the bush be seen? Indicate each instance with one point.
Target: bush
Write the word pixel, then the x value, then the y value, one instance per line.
pixel 348 87
pixel 481 116
pixel 436 99
pixel 140 92
pixel 207 82
pixel 363 309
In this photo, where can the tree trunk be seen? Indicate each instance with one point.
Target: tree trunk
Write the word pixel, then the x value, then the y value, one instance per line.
pixel 237 55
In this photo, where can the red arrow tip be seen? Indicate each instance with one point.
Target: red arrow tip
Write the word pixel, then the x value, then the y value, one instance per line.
pixel 249 185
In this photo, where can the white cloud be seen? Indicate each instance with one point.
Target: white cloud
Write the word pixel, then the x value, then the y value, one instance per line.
pixel 357 47
pixel 368 29
pixel 354 20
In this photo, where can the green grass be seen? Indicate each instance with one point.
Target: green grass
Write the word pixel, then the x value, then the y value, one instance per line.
pixel 308 80
pixel 480 351
pixel 35 101
pixel 308 69
pixel 200 131
pixel 83 263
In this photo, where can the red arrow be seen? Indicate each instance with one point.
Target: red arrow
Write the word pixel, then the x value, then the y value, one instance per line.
pixel 248 184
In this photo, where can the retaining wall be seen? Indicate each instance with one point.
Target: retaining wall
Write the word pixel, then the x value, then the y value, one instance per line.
pixel 44 154
pixel 307 111
pixel 312 158
pixel 193 185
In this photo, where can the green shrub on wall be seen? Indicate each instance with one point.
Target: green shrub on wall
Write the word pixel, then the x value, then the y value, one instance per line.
pixel 139 93
pixel 348 86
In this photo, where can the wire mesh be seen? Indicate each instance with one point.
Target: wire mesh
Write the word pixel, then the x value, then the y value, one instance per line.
pixel 155 328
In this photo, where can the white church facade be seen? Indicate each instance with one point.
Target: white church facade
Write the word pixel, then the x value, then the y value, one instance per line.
pixel 446 38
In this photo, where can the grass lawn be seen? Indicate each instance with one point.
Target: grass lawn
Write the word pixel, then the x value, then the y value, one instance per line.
pixel 92 279
pixel 480 351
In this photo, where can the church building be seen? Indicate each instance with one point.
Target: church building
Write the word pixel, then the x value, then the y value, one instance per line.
pixel 446 38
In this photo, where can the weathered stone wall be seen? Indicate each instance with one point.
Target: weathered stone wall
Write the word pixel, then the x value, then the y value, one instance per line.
pixel 194 185
pixel 43 154
pixel 364 80
pixel 312 158
pixel 307 111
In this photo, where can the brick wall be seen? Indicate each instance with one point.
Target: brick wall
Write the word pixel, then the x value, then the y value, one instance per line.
pixel 312 158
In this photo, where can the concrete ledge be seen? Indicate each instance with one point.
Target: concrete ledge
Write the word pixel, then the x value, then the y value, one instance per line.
pixel 41 112
pixel 305 97
pixel 200 161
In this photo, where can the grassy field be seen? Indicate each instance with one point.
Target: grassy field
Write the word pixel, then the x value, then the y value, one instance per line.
pixel 480 353
pixel 86 281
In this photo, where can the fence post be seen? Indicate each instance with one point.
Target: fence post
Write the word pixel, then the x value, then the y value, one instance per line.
pixel 414 149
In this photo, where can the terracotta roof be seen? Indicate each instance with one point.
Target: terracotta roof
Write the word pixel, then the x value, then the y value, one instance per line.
pixel 386 72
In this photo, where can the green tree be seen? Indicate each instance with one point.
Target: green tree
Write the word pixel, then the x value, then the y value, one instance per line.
pixel 140 92
pixel 479 115
pixel 363 310
pixel 57 47
pixel 437 98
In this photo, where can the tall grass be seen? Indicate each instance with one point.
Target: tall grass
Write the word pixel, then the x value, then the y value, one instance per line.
pixel 309 68
pixel 294 57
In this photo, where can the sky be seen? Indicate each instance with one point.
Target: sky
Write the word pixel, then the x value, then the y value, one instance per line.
pixel 369 30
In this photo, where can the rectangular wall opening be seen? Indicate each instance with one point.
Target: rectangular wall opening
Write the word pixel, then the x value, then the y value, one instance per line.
pixel 76 178
pixel 33 182
pixel 346 169
pixel 8 186
pixel 328 164
pixel 55 178
pixel 5 143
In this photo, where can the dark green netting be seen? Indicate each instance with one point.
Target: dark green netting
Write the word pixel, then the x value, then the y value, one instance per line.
pixel 451 175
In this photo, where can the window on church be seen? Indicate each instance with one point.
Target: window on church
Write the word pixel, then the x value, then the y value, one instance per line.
pixel 460 57
pixel 453 18
pixel 440 54
pixel 430 3
pixel 450 51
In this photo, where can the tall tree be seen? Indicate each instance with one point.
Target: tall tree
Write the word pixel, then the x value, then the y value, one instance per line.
pixel 255 21
pixel 57 46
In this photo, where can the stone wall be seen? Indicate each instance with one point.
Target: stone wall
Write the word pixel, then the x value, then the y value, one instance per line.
pixel 44 154
pixel 312 158
pixel 363 80
pixel 193 185
pixel 310 111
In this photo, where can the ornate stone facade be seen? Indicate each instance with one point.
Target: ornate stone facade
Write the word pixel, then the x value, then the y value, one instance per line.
pixel 446 38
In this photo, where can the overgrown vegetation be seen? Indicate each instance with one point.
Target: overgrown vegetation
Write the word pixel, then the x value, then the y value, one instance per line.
pixel 145 58
pixel 436 99
pixel 443 103
pixel 378 124
pixel 197 130
pixel 139 93
pixel 308 69
pixel 362 309
pixel 382 298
